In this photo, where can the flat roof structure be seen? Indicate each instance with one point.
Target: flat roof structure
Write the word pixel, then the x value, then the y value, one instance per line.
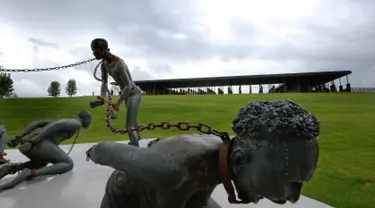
pixel 314 78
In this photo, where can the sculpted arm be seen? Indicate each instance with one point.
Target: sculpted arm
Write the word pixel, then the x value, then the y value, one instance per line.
pixel 145 164
pixel 65 125
pixel 123 70
pixel 103 89
pixel 33 126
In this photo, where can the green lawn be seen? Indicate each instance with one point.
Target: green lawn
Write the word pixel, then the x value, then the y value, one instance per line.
pixel 346 171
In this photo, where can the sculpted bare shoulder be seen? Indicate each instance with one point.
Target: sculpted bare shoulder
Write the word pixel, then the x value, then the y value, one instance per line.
pixel 266 158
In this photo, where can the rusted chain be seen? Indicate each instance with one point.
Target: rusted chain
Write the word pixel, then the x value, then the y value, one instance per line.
pixel 182 126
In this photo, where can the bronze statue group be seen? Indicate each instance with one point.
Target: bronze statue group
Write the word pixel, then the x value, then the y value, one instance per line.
pixel 274 151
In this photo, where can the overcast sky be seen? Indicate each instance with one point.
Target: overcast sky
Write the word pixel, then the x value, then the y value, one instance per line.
pixel 187 38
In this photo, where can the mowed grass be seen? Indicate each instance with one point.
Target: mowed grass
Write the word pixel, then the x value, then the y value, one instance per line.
pixel 345 175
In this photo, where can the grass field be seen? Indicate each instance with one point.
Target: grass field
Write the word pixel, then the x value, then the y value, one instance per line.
pixel 346 171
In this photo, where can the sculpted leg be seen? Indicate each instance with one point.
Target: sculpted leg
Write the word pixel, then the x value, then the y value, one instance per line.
pixel 26 173
pixel 61 162
pixel 13 168
pixel 40 155
pixel 132 107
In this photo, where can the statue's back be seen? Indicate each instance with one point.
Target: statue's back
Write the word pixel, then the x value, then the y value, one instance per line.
pixel 187 151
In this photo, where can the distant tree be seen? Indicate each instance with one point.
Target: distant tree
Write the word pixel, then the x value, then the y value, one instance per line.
pixel 54 89
pixel 71 87
pixel 6 85
pixel 14 95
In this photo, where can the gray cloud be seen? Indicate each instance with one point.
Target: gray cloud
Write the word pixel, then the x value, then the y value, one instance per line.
pixel 40 42
pixel 35 49
pixel 164 34
pixel 139 74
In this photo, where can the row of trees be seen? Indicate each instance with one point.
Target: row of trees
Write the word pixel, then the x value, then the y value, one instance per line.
pixel 54 89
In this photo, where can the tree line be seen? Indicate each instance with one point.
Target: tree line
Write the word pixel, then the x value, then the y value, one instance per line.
pixel 54 88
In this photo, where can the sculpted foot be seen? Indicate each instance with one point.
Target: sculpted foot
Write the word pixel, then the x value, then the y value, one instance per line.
pixel 23 176
pixel 4 161
pixel 134 143
pixel 10 168
pixel 133 137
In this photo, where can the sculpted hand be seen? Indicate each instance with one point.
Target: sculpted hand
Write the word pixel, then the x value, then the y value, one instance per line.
pixel 116 106
pixel 14 142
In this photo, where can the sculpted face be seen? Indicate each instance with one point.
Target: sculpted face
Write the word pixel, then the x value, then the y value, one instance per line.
pixel 99 53
pixel 275 150
pixel 85 118
pixel 274 171
pixel 86 123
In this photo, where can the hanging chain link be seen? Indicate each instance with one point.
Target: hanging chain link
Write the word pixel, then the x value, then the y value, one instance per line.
pixel 46 69
pixel 182 126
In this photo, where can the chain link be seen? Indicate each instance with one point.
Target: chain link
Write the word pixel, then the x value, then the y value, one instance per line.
pixel 46 69
pixel 182 126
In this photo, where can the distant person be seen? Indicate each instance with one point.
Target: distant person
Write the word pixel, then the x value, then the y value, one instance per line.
pixel 116 67
pixel 43 148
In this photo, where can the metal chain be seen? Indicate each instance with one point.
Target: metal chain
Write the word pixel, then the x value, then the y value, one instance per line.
pixel 24 140
pixel 74 142
pixel 46 69
pixel 96 69
pixel 182 126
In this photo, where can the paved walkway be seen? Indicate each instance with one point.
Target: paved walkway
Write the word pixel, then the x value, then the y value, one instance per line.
pixel 84 187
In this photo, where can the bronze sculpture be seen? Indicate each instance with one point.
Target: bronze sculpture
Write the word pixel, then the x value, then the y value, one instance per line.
pixel 274 150
pixel 42 148
pixel 130 93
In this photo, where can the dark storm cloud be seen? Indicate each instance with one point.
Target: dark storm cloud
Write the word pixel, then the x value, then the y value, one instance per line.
pixel 136 71
pixel 145 25
pixel 40 42
pixel 147 29
pixel 349 46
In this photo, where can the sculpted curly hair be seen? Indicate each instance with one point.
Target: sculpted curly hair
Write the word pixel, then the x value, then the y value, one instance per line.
pixel 272 120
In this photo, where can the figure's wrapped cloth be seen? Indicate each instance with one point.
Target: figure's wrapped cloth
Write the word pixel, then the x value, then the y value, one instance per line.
pixel 274 151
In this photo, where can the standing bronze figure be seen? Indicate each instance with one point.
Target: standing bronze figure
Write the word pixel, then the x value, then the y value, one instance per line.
pixel 130 93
